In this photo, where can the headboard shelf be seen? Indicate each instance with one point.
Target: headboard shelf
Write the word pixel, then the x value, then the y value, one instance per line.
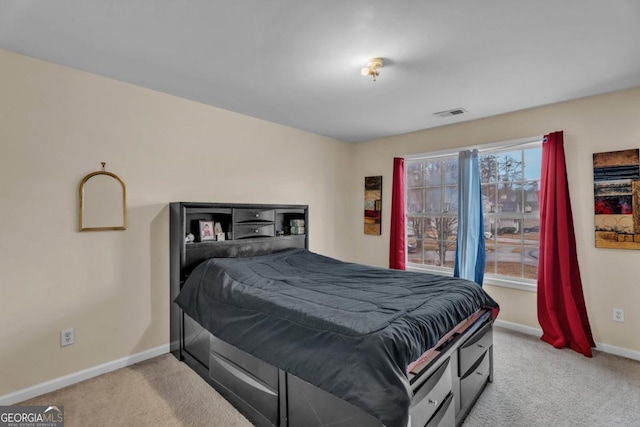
pixel 210 210
pixel 301 238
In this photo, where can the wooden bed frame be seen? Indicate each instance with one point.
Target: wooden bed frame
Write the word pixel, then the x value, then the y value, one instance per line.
pixel 446 382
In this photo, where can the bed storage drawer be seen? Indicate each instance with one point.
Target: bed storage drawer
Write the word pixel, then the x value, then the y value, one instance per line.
pixel 475 379
pixel 261 370
pixel 473 348
pixel 309 406
pixel 253 215
pixel 243 231
pixel 445 416
pixel 430 395
pixel 249 378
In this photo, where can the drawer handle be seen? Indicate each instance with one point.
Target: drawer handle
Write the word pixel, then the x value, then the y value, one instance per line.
pixel 256 230
pixel 257 215
pixel 480 345
pixel 434 402
pixel 479 373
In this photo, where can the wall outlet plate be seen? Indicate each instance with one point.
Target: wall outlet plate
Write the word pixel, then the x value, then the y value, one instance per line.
pixel 618 315
pixel 67 337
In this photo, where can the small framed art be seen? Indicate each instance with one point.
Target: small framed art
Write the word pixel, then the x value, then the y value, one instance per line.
pixel 616 182
pixel 206 231
pixel 372 204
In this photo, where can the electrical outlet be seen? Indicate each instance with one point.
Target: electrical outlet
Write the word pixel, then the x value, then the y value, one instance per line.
pixel 67 337
pixel 618 315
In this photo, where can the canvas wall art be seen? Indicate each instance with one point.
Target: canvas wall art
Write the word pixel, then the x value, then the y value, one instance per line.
pixel 372 204
pixel 616 180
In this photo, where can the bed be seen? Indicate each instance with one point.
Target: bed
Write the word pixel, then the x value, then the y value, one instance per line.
pixel 293 338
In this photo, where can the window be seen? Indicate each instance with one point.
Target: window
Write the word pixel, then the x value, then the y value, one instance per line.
pixel 510 180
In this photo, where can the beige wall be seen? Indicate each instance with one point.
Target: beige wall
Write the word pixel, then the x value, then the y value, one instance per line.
pixel 56 125
pixel 601 123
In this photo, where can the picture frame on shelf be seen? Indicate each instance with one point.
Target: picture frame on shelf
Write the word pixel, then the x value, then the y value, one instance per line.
pixel 206 231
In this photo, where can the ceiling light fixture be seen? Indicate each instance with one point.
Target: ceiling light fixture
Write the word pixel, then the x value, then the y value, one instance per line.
pixel 372 68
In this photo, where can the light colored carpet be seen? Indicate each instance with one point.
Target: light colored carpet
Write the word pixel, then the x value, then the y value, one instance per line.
pixel 538 385
pixel 534 385
pixel 158 392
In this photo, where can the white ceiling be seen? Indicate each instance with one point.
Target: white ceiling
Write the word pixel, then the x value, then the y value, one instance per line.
pixel 297 62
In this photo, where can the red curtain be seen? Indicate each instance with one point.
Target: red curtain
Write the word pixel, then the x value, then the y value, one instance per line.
pixel 562 313
pixel 396 241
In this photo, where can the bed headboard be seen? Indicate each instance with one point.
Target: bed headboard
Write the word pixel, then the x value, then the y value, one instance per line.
pixel 249 230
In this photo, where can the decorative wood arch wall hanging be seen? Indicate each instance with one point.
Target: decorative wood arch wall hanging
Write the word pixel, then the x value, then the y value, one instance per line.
pixel 103 202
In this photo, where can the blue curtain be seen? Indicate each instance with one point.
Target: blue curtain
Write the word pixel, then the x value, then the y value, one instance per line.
pixel 470 253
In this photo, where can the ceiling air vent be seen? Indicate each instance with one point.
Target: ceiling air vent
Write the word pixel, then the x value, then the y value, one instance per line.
pixel 449 113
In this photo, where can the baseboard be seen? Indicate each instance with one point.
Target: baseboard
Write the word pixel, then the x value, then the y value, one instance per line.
pixel 606 348
pixel 528 330
pixel 619 351
pixel 76 377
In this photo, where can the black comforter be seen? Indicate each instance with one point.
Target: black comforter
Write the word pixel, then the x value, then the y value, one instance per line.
pixel 349 329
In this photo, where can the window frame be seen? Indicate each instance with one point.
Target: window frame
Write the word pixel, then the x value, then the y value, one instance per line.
pixel 491 148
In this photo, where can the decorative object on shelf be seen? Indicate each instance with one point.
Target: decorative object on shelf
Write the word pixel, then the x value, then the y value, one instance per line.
pixel 206 231
pixel 297 230
pixel 372 204
pixel 220 237
pixel 297 226
pixel 616 182
pixel 102 202
pixel 217 228
pixel 372 69
pixel 190 238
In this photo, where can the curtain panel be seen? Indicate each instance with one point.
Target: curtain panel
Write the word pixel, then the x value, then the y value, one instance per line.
pixel 470 245
pixel 397 250
pixel 562 312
